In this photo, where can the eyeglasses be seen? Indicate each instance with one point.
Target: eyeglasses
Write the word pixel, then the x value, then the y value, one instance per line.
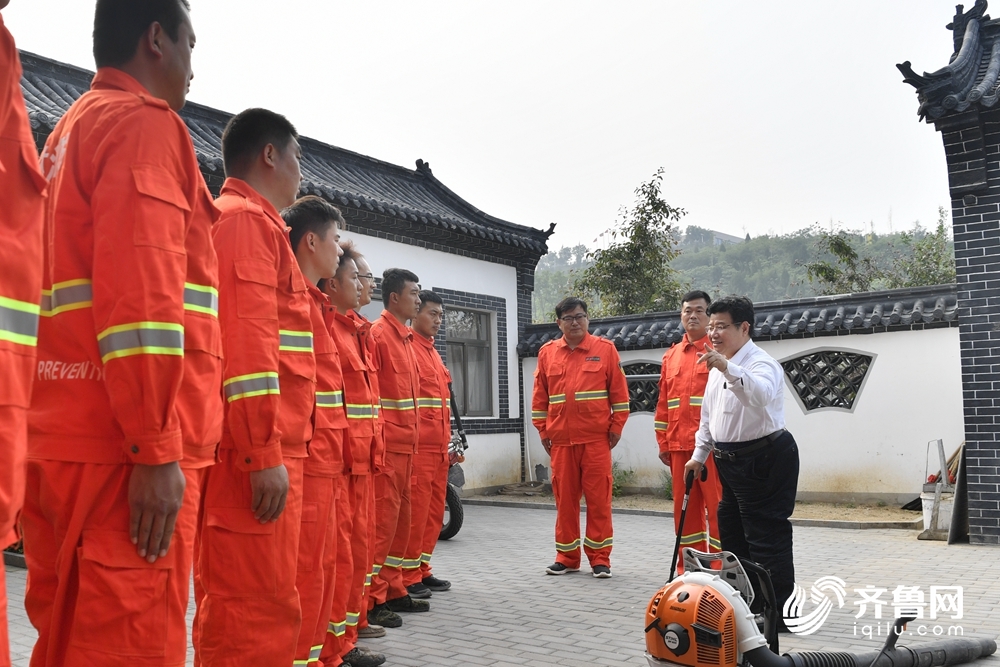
pixel 711 328
pixel 366 276
pixel 569 319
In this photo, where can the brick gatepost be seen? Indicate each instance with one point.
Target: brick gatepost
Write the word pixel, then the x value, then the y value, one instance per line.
pixel 961 100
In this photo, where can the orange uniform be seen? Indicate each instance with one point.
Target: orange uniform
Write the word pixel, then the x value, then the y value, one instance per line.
pixel 678 413
pixel 21 188
pixel 129 368
pixel 354 514
pixel 579 397
pixel 398 391
pixel 324 489
pixel 248 608
pixel 430 464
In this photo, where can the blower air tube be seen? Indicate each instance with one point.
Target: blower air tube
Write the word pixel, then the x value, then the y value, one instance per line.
pixel 955 651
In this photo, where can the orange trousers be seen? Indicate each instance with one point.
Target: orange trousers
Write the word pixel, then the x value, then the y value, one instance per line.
pixel 322 500
pixel 93 600
pixel 701 524
pixel 13 449
pixel 392 527
pixel 354 531
pixel 427 493
pixel 582 470
pixel 248 609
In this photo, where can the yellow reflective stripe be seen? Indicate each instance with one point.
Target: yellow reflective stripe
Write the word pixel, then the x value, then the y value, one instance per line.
pixel 587 542
pixel 571 546
pixel 410 563
pixel 19 321
pixel 352 618
pixel 659 426
pixel 695 401
pixel 337 629
pixel 619 407
pixel 329 399
pixel 201 299
pixel 126 340
pixel 693 538
pixel 673 403
pixel 376 568
pixel 590 395
pixel 430 403
pixel 397 404
pixel 393 561
pixel 425 558
pixel 714 543
pixel 67 295
pixel 295 341
pixel 557 398
pixel 361 411
pixel 539 414
pixel 254 384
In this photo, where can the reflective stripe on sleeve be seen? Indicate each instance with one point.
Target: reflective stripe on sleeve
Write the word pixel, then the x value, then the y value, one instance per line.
pixel 659 426
pixel 619 407
pixel 329 399
pixel 361 411
pixel 67 295
pixel 397 404
pixel 539 414
pixel 695 401
pixel 430 403
pixel 557 398
pixel 254 384
pixel 591 395
pixel 295 341
pixel 673 403
pixel 201 299
pixel 19 321
pixel 126 340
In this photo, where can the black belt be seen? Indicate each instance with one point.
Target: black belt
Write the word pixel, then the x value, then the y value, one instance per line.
pixel 748 447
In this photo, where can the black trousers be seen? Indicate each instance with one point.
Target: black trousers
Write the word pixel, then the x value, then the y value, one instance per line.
pixel 758 497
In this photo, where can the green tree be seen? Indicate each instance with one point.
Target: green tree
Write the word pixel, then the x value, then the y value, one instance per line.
pixel 633 274
pixel 928 259
pixel 847 270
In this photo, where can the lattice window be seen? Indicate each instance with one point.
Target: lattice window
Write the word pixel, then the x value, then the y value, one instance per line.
pixel 643 385
pixel 828 378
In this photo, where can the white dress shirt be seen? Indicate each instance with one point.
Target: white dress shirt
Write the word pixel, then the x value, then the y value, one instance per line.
pixel 746 402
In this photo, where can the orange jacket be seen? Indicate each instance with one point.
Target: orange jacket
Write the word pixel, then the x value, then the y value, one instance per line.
pixel 21 200
pixel 329 452
pixel 360 398
pixel 682 387
pixel 580 395
pixel 434 400
pixel 128 346
pixel 397 383
pixel 269 378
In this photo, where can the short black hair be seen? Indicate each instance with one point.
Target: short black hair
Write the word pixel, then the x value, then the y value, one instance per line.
pixel 429 296
pixel 694 295
pixel 740 309
pixel 310 214
pixel 568 304
pixel 394 280
pixel 120 24
pixel 248 132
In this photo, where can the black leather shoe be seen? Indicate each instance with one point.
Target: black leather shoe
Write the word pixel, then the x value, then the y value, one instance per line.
pixel 435 584
pixel 418 591
pixel 407 604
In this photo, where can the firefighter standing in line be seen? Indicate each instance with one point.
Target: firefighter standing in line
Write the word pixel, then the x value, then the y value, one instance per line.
pixel 248 607
pixel 678 413
pixel 126 411
pixel 21 198
pixel 430 464
pixel 315 239
pixel 356 515
pixel 398 390
pixel 579 406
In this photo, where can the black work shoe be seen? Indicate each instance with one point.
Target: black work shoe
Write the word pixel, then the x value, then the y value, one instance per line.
pixel 559 568
pixel 418 591
pixel 602 572
pixel 382 615
pixel 359 656
pixel 408 604
pixel 435 584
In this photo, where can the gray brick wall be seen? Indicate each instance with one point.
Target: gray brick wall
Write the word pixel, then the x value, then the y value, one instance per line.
pixel 972 149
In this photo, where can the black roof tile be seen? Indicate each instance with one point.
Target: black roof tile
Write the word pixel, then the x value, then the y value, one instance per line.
pixel 869 312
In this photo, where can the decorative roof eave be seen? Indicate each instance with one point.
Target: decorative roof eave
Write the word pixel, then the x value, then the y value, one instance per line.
pixel 862 313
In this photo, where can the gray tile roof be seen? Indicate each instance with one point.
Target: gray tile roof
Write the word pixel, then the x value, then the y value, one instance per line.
pixel 971 77
pixel 871 312
pixel 339 175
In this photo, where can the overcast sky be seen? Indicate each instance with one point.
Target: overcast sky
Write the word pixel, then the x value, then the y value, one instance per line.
pixel 767 116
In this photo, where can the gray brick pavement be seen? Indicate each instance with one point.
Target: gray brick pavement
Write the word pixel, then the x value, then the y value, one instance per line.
pixel 504 612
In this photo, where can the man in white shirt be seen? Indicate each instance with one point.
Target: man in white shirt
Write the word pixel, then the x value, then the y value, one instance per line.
pixel 743 420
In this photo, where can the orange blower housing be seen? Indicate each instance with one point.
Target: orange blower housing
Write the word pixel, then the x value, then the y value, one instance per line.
pixel 691 624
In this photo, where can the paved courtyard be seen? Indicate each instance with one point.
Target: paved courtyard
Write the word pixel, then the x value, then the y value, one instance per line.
pixel 504 612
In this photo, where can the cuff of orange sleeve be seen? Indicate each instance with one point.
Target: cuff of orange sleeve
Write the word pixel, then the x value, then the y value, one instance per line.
pixel 260 458
pixel 154 450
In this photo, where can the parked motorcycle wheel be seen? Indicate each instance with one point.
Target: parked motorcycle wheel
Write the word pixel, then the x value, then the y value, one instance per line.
pixel 454 514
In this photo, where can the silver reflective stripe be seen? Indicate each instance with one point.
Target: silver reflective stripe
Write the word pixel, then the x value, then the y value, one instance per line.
pixel 141 338
pixel 254 384
pixel 201 299
pixel 18 322
pixel 295 341
pixel 329 399
pixel 68 295
pixel 397 404
pixel 360 411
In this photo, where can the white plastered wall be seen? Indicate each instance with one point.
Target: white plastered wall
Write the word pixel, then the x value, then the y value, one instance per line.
pixel 913 394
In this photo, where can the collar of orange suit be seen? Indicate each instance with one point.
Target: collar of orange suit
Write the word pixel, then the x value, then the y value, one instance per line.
pixel 696 344
pixel 426 342
pixel 240 188
pixel 115 79
pixel 401 329
pixel 584 344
